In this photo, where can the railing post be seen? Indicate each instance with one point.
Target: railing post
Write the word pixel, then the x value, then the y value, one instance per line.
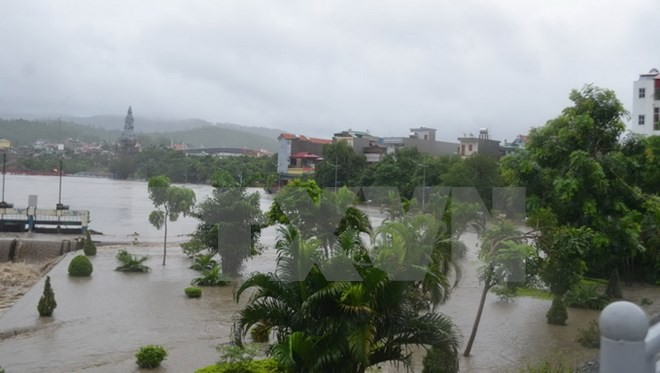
pixel 623 329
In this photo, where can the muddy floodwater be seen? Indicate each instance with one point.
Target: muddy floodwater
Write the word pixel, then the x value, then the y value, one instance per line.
pixel 101 321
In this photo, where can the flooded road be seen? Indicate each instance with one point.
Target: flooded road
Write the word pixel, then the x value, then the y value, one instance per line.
pixel 100 322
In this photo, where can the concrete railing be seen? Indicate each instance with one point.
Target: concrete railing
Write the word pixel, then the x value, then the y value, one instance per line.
pixel 627 342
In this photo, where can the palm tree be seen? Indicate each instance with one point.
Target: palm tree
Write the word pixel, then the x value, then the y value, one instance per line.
pixel 338 326
pixel 418 248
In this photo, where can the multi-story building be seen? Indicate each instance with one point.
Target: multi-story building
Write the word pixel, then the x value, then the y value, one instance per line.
pixel 646 104
pixel 423 139
pixel 363 143
pixel 298 154
pixel 513 146
pixel 471 144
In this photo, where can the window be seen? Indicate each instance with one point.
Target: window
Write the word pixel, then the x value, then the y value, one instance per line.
pixel 470 147
pixel 462 149
pixel 656 115
pixel 642 92
pixel 656 126
pixel 640 120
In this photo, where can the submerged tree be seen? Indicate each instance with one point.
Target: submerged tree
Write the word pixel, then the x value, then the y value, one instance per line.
pixel 505 255
pixel 171 201
pixel 231 222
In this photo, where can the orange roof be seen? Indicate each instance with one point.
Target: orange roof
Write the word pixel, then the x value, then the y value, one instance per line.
pixel 319 141
pixel 288 136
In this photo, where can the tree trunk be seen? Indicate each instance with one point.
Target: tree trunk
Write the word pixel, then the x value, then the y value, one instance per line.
pixel 165 240
pixel 473 335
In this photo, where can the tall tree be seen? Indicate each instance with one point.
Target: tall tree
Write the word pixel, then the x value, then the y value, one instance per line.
pixel 574 165
pixel 170 201
pixel 341 165
pixel 231 222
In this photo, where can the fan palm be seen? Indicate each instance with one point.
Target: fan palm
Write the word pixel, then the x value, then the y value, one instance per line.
pixel 338 326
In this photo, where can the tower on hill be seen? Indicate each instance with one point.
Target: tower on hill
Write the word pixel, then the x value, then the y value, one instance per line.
pixel 128 140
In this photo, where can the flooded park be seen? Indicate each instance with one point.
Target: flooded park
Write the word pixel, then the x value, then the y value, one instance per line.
pixel 102 320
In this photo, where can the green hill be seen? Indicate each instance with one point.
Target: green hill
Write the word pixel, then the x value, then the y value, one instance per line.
pixel 26 132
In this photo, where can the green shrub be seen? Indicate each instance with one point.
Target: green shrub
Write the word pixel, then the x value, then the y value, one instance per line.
pixel 47 301
pixel 440 361
pixel 240 359
pixel 614 286
pixel 131 263
pixel 150 356
pixel 204 262
pixel 2 370
pixel 193 292
pixel 80 266
pixel 211 277
pixel 260 333
pixel 256 366
pixel 590 336
pixel 88 245
pixel 586 296
pixel 557 314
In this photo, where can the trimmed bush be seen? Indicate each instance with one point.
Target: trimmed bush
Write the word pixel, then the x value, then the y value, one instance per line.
pixel 150 356
pixel 88 246
pixel 131 263
pixel 47 301
pixel 440 361
pixel 557 314
pixel 80 266
pixel 614 286
pixel 590 336
pixel 586 296
pixel 193 292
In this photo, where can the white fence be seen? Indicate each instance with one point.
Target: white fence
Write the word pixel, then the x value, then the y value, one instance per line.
pixel 628 344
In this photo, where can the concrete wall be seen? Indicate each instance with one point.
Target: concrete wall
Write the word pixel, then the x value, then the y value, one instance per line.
pixel 36 250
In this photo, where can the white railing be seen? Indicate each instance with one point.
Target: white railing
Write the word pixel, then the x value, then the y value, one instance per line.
pixel 627 342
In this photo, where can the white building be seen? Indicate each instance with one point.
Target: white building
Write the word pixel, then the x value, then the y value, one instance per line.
pixel 646 104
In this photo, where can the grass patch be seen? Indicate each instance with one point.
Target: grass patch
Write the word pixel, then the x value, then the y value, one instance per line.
pixel 594 281
pixel 534 293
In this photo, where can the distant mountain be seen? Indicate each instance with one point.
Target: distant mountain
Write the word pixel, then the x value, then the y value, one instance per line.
pixel 219 137
pixel 196 133
pixel 114 122
pixel 26 132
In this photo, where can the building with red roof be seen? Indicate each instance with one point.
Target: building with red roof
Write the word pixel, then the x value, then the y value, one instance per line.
pixel 297 155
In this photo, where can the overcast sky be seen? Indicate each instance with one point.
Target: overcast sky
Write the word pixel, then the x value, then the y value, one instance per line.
pixel 317 67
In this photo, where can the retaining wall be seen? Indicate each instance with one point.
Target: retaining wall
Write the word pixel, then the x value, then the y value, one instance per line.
pixel 37 249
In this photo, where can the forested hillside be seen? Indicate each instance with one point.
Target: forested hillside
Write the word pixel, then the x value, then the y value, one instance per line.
pixel 26 132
